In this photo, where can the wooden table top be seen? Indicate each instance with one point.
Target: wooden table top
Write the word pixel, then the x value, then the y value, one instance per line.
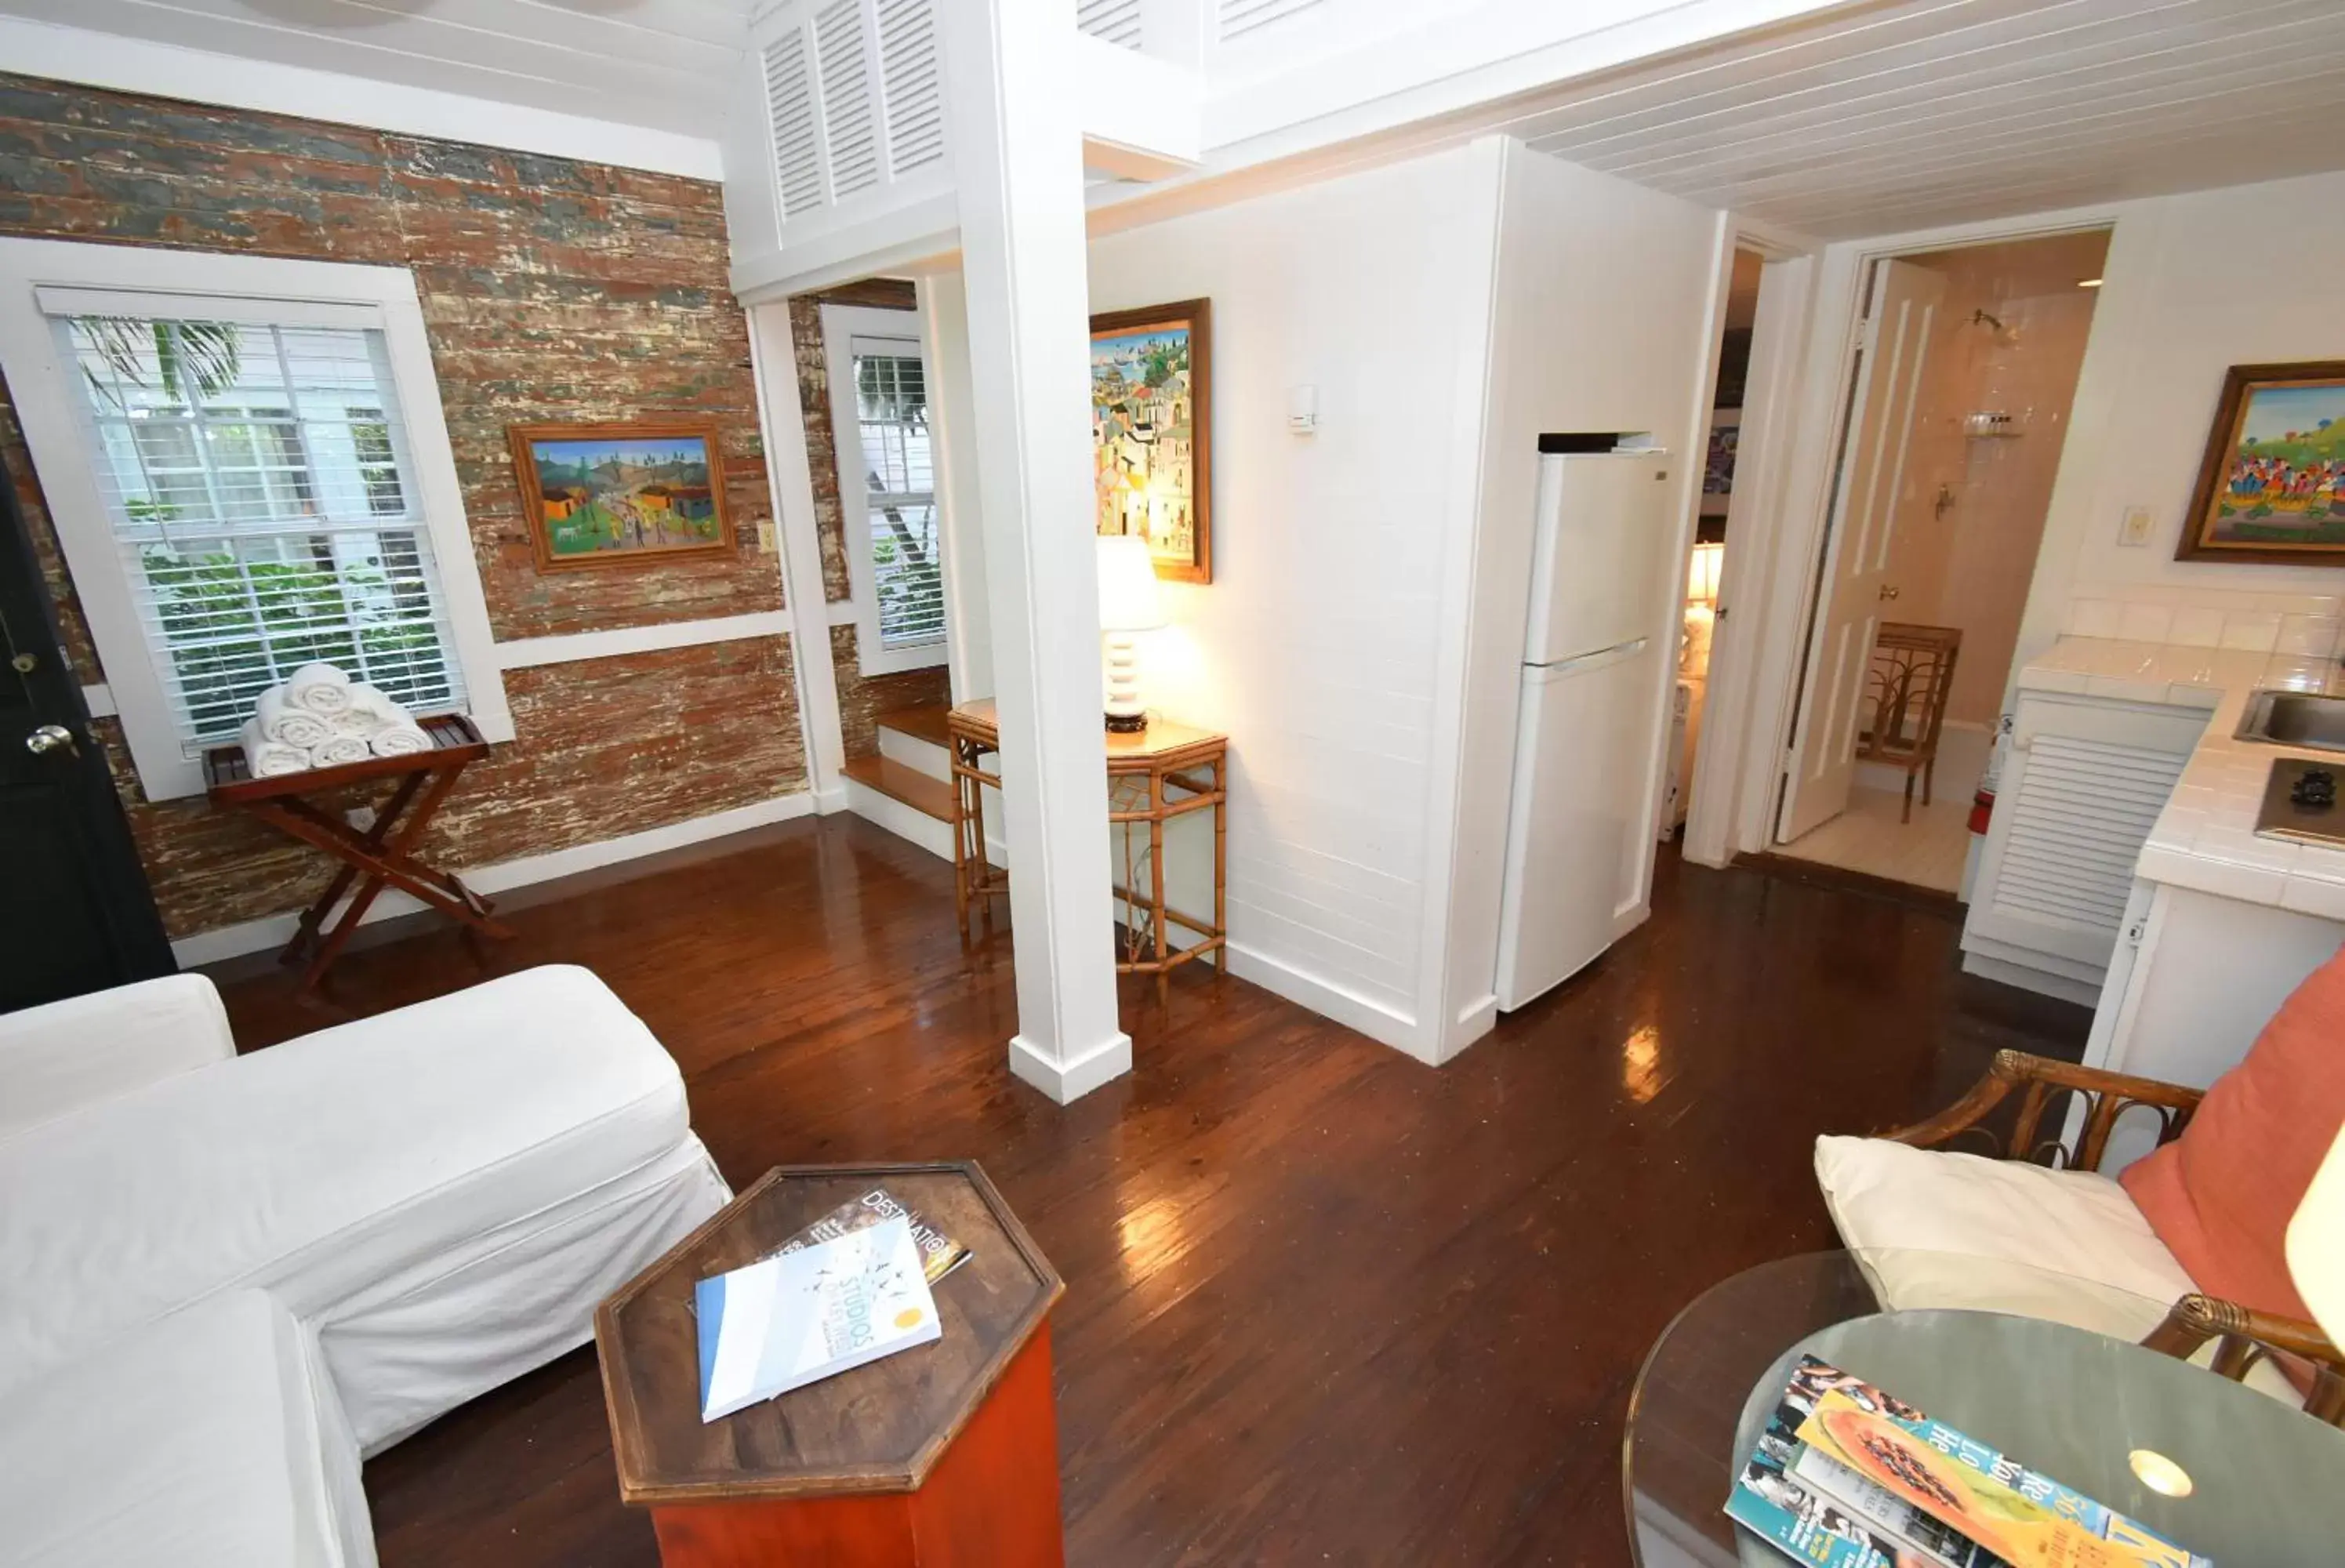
pixel 1164 739
pixel 229 777
pixel 879 1428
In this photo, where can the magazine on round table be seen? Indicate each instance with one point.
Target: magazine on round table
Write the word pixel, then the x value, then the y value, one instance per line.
pixel 1847 1476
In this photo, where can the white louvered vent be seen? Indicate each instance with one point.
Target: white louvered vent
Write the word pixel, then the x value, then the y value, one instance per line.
pixel 909 84
pixel 2082 812
pixel 1239 17
pixel 791 108
pixel 847 123
pixel 1113 21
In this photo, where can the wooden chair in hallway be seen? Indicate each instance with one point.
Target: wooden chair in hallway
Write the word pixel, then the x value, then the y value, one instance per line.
pixel 1913 671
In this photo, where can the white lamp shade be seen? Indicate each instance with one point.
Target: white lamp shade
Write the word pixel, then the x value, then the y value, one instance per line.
pixel 1701 573
pixel 1127 585
pixel 2316 1244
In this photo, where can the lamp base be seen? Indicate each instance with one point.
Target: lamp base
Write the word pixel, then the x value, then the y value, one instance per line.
pixel 1126 724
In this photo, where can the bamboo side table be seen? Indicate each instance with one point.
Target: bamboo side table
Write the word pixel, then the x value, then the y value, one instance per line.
pixel 1156 775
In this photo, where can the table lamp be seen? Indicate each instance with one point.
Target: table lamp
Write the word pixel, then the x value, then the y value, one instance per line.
pixel 2316 1244
pixel 1128 604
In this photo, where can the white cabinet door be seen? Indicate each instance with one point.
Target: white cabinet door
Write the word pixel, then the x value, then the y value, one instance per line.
pixel 2086 782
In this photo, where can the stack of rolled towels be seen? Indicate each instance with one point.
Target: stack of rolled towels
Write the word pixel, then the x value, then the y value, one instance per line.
pixel 321 718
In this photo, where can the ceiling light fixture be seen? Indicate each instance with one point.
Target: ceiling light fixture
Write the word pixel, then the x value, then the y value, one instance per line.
pixel 2088 283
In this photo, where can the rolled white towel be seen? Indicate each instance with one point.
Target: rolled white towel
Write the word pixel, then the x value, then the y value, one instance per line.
pixel 286 724
pixel 404 740
pixel 268 759
pixel 359 720
pixel 336 750
pixel 381 703
pixel 320 688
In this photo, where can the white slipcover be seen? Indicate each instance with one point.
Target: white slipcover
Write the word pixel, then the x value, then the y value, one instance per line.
pixel 440 1194
pixel 69 1053
pixel 208 1440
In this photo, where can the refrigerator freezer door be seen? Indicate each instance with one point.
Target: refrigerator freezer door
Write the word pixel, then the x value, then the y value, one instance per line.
pixel 1599 555
pixel 1576 830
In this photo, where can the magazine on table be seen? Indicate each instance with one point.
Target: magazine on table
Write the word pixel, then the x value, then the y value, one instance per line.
pixel 1847 1476
pixel 785 1321
pixel 940 1253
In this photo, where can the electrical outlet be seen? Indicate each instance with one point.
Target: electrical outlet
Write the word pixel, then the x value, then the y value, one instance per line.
pixel 765 536
pixel 2134 529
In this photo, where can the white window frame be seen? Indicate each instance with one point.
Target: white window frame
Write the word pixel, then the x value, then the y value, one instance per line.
pixel 841 324
pixel 48 403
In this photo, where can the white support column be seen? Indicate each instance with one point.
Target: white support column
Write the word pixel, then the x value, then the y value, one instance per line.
pixel 1017 144
pixel 773 358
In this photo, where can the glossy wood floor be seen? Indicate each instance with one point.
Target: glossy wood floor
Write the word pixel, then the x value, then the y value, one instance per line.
pixel 1323 1303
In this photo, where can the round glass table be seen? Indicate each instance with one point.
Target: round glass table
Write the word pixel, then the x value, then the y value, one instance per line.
pixel 2266 1482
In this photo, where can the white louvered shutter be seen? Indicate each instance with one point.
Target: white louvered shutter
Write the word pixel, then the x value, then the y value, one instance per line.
pixel 1236 18
pixel 2079 821
pixel 855 107
pixel 899 482
pixel 913 82
pixel 1112 21
pixel 790 109
pixel 257 477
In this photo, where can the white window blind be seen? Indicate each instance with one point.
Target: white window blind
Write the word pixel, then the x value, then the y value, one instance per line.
pixel 891 409
pixel 264 501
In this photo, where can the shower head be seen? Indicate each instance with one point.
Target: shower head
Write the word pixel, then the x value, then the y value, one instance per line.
pixel 1983 317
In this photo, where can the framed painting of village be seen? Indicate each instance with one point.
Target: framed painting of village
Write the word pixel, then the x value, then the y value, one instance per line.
pixel 621 495
pixel 1152 432
pixel 2272 486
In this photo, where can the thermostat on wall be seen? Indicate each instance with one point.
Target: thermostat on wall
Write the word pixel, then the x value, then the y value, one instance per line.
pixel 1302 410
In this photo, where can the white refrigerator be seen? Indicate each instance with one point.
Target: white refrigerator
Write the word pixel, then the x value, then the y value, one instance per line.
pixel 1579 827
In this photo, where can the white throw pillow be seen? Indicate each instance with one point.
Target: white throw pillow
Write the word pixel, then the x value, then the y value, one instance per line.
pixel 1932 1226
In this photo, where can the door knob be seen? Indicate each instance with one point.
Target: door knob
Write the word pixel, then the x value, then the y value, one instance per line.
pixel 48 738
pixel 1889 591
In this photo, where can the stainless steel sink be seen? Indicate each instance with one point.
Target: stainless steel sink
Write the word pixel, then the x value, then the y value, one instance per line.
pixel 2294 719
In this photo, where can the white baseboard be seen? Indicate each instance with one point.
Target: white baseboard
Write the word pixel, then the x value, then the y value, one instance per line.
pixel 1384 1024
pixel 276 930
pixel 1474 1019
pixel 1065 1082
pixel 912 826
pixel 832 800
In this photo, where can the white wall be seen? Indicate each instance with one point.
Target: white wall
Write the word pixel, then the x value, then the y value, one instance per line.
pixel 1317 645
pixel 2193 284
pixel 1606 319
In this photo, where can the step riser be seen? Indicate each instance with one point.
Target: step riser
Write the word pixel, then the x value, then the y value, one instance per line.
pixel 914 752
pixel 887 812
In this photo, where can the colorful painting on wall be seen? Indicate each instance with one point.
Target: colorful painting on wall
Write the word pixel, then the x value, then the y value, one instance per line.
pixel 619 495
pixel 2272 486
pixel 1152 432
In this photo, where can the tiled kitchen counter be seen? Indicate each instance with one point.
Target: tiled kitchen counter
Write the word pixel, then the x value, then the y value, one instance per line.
pixel 2205 839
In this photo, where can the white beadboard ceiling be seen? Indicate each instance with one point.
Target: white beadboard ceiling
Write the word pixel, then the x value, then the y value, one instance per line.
pixel 1911 115
pixel 660 64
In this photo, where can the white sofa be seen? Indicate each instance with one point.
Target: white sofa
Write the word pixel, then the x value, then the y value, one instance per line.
pixel 229 1277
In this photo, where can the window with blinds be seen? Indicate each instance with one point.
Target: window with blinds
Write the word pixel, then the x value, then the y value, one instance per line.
pixel 892 412
pixel 263 500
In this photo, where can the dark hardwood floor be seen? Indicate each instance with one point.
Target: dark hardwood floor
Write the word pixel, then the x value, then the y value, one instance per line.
pixel 1323 1303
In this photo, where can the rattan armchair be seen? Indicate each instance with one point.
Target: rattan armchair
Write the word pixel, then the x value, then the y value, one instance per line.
pixel 2242 1336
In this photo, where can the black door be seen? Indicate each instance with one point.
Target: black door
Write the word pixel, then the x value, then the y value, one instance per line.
pixel 76 914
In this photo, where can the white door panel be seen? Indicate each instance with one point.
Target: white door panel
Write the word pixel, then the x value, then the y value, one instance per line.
pixel 1576 834
pixel 1601 554
pixel 1854 586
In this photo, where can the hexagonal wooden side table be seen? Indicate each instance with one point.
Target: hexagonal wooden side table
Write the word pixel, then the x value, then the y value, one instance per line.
pixel 938 1457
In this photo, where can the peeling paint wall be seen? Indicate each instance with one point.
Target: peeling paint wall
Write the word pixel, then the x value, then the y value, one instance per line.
pixel 552 290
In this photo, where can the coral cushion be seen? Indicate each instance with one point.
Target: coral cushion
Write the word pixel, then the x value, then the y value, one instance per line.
pixel 2222 1194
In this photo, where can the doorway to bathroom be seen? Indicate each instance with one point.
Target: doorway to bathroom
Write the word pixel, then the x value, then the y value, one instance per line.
pixel 1958 409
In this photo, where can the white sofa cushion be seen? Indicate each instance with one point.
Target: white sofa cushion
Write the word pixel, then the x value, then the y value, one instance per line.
pixel 1936 1228
pixel 440 1193
pixel 62 1056
pixel 208 1439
